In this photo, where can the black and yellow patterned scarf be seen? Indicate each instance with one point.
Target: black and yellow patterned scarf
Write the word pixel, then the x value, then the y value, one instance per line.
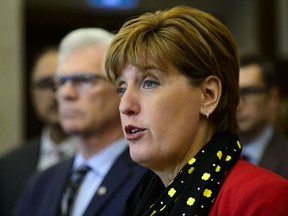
pixel 196 186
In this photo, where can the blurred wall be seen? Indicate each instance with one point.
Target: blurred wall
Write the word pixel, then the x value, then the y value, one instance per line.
pixel 282 29
pixel 11 74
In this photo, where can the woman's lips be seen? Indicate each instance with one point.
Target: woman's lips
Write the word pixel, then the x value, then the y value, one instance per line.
pixel 133 133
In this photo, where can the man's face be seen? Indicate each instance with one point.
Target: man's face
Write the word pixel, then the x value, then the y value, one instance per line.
pixel 87 104
pixel 256 101
pixel 43 97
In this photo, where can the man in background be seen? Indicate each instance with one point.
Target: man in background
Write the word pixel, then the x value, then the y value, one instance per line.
pixel 40 152
pixel 259 98
pixel 102 174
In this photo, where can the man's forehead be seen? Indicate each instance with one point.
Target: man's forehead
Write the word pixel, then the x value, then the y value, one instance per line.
pixel 250 74
pixel 46 66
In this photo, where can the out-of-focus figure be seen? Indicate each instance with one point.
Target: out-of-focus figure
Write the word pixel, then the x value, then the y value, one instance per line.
pixel 281 116
pixel 100 177
pixel 259 94
pixel 43 151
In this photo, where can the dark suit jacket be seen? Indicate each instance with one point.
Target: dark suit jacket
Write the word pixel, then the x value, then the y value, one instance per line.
pixel 16 168
pixel 275 156
pixel 44 192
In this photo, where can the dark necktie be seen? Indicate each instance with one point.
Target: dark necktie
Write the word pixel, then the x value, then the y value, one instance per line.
pixel 71 190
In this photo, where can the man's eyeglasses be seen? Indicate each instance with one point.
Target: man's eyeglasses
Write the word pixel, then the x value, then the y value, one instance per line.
pixel 44 83
pixel 79 81
pixel 252 93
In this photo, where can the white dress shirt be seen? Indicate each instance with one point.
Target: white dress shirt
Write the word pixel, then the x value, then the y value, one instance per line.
pixel 51 153
pixel 100 164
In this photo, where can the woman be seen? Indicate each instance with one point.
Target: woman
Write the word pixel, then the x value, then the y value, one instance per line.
pixel 177 73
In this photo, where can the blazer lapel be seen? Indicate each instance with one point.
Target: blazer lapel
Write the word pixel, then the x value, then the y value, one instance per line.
pixel 117 176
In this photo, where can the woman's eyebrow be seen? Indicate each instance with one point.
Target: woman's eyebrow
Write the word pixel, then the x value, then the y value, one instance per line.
pixel 117 79
pixel 150 67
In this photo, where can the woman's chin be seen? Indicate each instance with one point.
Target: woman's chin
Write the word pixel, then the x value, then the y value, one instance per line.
pixel 139 157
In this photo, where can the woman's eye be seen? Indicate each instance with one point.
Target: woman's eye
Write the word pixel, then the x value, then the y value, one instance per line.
pixel 150 83
pixel 121 91
pixel 120 87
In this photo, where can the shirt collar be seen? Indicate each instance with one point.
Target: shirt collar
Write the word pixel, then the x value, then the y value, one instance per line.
pixel 255 149
pixel 67 146
pixel 101 162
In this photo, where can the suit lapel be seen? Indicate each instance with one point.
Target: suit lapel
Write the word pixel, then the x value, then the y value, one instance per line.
pixel 57 185
pixel 272 157
pixel 116 176
pixel 33 152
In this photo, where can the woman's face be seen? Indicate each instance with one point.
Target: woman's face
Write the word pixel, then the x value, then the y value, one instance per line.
pixel 160 114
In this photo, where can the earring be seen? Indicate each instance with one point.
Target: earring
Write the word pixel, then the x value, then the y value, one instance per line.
pixel 207 114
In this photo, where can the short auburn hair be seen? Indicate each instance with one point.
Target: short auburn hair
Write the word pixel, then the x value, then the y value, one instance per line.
pixel 194 42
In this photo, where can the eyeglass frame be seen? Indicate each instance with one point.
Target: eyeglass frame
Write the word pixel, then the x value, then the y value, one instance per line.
pixel 46 82
pixel 77 80
pixel 249 91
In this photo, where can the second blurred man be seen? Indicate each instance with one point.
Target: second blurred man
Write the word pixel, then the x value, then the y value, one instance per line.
pixel 88 108
pixel 259 100
pixel 40 152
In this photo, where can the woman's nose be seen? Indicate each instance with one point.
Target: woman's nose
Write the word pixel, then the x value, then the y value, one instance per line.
pixel 129 104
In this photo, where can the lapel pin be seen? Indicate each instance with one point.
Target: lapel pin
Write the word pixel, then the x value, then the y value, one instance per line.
pixel 102 190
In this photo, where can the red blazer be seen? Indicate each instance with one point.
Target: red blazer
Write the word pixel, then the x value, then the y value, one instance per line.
pixel 244 193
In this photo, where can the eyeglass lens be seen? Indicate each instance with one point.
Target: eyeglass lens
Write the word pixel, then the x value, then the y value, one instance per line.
pixel 44 83
pixel 252 93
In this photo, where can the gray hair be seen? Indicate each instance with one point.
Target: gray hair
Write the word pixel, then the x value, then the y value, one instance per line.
pixel 81 38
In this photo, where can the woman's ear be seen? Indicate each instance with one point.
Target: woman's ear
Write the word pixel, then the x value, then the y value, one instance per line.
pixel 212 91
